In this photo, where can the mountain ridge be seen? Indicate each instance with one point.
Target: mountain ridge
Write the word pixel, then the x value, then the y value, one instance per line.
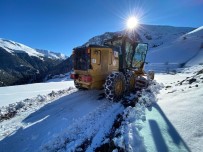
pixel 16 47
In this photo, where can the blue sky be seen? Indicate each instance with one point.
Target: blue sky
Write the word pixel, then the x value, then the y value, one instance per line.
pixel 60 25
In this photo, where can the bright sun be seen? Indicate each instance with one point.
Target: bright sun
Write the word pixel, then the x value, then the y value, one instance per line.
pixel 132 22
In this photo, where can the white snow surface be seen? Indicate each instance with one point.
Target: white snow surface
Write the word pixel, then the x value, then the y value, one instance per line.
pixel 61 125
pixel 63 120
pixel 196 32
pixel 180 109
pixel 173 123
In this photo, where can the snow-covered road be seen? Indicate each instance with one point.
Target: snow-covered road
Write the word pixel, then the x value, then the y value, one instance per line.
pixel 77 117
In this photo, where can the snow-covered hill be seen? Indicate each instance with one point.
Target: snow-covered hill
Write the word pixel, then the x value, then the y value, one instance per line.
pixel 15 47
pixel 182 49
pixel 20 64
pixel 198 36
pixel 157 36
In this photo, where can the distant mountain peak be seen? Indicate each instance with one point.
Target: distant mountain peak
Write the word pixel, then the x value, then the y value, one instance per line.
pixel 52 55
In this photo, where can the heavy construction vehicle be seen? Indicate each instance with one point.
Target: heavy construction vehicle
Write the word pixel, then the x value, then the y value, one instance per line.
pixel 116 66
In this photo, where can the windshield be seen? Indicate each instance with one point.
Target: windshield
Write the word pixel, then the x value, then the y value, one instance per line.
pixel 140 55
pixel 81 59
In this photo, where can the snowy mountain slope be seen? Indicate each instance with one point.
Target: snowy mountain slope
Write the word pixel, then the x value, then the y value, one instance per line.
pixel 198 35
pixel 180 50
pixel 157 36
pixel 14 47
pixel 100 39
pixel 20 64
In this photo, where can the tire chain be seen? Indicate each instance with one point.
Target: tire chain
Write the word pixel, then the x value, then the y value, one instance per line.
pixel 109 86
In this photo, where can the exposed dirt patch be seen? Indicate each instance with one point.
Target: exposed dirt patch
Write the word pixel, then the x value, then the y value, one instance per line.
pixel 192 80
pixel 200 72
pixel 8 116
pixel 110 146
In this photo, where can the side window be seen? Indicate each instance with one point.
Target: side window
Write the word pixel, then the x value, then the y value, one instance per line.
pixel 97 57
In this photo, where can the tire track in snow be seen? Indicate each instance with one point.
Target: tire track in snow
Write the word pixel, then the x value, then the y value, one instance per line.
pixel 92 127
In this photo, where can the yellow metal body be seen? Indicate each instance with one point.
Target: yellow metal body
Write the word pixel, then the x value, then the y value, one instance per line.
pixel 103 62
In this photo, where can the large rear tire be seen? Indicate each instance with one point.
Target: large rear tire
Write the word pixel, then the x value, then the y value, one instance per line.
pixel 115 86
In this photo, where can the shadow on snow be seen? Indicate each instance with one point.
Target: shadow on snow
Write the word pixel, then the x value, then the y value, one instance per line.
pixel 159 141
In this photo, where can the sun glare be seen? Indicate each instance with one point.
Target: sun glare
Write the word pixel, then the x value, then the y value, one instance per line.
pixel 132 22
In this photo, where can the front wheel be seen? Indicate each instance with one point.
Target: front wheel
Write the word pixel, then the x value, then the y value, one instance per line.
pixel 115 86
